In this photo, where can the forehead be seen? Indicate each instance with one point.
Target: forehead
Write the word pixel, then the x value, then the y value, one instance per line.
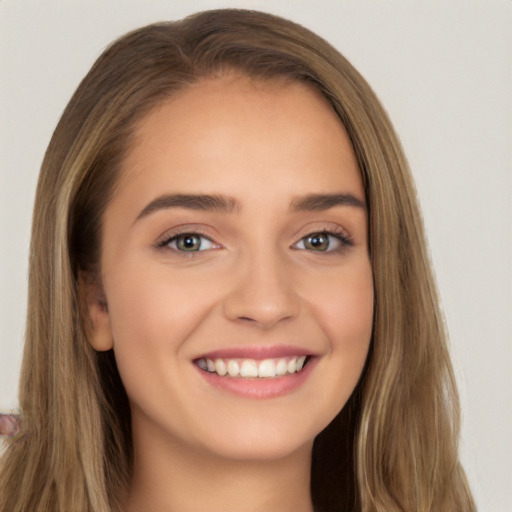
pixel 224 130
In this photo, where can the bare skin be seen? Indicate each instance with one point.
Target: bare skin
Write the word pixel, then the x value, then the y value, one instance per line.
pixel 249 486
pixel 266 267
pixel 9 425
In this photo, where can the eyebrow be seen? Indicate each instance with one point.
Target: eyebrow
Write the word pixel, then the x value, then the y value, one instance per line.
pixel 191 201
pixel 226 204
pixel 319 202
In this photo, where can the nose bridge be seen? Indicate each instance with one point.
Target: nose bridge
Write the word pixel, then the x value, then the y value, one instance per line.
pixel 263 291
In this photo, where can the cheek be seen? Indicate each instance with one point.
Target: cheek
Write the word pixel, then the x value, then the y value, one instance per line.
pixel 152 314
pixel 350 319
pixel 344 309
pixel 152 303
pixel 344 305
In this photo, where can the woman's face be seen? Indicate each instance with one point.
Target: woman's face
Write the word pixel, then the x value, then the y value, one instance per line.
pixel 237 242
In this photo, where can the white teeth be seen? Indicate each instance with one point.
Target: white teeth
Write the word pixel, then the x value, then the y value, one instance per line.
pixel 292 365
pixel 233 368
pixel 251 368
pixel 281 367
pixel 220 367
pixel 267 368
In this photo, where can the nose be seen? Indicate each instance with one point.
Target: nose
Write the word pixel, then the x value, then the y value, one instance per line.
pixel 263 293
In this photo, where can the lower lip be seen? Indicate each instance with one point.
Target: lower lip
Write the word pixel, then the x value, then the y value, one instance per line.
pixel 260 388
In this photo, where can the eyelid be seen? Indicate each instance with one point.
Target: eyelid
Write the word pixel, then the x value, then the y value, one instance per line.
pixel 174 241
pixel 164 241
pixel 337 232
pixel 330 229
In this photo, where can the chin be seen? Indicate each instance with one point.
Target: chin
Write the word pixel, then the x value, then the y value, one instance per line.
pixel 264 438
pixel 262 449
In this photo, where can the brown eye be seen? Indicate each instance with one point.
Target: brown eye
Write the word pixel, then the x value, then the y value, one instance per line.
pixel 189 242
pixel 323 241
pixel 317 242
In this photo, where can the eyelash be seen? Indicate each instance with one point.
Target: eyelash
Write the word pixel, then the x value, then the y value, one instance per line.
pixel 345 242
pixel 165 243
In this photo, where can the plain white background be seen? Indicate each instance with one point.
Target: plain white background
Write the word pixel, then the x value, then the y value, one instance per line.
pixel 443 70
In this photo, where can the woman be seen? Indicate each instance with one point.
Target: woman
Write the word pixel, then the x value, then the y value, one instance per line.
pixel 229 290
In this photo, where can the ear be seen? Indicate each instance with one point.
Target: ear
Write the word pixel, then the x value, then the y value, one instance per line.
pixel 95 311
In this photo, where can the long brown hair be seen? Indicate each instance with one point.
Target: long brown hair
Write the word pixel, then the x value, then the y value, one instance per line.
pixel 392 448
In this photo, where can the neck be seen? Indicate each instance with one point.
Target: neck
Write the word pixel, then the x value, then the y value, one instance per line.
pixel 178 478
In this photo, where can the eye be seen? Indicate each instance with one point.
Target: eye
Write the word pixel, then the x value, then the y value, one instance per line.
pixel 189 242
pixel 323 242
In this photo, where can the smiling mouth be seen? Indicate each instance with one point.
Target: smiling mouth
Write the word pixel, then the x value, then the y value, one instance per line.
pixel 253 368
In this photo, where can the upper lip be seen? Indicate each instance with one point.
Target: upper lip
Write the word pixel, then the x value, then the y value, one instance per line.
pixel 257 352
